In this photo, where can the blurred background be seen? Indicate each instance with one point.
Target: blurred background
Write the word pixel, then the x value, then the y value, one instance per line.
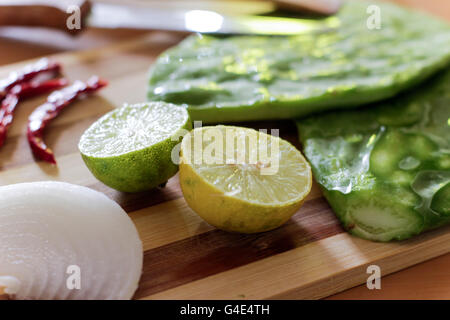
pixel 18 44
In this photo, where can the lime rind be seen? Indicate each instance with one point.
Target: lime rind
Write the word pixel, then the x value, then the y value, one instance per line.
pixel 141 159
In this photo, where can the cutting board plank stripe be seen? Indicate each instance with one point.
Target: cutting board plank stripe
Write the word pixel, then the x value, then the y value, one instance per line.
pixel 135 201
pixel 313 271
pixel 217 251
pixel 172 221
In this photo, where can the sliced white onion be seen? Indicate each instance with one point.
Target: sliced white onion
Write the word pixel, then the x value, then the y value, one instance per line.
pixel 55 235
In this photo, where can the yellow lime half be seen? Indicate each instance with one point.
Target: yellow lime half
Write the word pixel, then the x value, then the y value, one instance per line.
pixel 242 180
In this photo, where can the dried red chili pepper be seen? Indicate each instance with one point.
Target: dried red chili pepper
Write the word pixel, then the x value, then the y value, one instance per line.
pixel 19 92
pixel 27 74
pixel 56 102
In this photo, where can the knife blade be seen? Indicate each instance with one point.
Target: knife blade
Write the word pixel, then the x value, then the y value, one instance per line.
pixel 56 14
pixel 202 21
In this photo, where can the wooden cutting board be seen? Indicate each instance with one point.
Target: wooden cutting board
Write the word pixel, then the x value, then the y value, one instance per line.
pixel 185 258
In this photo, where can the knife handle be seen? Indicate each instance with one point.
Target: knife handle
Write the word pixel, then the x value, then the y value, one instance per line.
pixel 57 14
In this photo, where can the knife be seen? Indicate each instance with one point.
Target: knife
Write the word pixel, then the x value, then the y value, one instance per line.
pixel 73 16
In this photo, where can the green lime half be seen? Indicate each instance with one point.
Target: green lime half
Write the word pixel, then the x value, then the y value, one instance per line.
pixel 130 148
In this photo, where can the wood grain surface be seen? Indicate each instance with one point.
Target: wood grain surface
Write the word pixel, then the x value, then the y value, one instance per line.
pixel 185 258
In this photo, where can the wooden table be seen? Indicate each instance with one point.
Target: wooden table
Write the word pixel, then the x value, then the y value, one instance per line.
pixel 429 280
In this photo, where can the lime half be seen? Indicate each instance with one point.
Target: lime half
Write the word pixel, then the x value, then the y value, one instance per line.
pixel 130 148
pixel 242 180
